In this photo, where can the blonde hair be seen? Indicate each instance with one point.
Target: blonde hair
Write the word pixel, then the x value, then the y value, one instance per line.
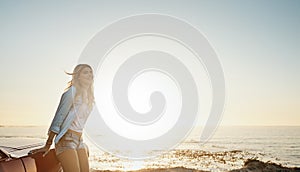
pixel 75 82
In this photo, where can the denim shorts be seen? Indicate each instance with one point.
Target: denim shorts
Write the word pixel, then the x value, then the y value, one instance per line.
pixel 69 141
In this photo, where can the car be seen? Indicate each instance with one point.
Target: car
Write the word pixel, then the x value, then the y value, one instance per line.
pixel 28 163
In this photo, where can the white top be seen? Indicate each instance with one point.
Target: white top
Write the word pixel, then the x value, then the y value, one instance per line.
pixel 82 112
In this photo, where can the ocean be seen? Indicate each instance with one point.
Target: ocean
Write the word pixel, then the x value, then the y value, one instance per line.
pixel 228 148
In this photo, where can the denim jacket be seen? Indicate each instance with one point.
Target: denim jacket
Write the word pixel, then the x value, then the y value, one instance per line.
pixel 63 118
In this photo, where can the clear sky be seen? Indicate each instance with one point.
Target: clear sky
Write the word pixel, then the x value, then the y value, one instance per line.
pixel 257 42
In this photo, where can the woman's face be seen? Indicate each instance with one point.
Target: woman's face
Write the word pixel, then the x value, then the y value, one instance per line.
pixel 86 76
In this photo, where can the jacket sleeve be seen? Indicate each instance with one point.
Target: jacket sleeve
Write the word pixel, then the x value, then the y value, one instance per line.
pixel 63 109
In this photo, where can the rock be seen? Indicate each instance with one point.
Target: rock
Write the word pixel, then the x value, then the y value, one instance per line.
pixel 252 165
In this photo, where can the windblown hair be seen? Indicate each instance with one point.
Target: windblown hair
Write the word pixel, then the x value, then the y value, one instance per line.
pixel 75 82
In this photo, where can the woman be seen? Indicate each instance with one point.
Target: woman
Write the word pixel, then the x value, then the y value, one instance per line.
pixel 67 125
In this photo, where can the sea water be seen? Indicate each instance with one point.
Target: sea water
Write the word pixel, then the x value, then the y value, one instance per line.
pixel 227 149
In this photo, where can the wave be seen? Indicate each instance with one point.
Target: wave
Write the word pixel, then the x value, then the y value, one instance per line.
pixel 252 165
pixel 21 137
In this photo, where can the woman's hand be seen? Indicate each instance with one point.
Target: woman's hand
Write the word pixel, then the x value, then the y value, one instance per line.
pixel 45 150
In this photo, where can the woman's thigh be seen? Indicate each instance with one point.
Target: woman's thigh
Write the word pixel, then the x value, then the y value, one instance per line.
pixel 83 160
pixel 69 160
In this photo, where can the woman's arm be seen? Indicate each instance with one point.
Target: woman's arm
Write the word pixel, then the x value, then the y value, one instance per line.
pixel 51 135
pixel 63 109
pixel 64 106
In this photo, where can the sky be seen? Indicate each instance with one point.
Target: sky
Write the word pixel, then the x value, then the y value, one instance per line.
pixel 257 43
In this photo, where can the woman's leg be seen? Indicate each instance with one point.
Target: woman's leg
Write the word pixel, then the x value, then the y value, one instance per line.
pixel 83 160
pixel 69 160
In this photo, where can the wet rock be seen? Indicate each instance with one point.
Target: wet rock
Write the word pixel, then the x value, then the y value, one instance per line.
pixel 252 165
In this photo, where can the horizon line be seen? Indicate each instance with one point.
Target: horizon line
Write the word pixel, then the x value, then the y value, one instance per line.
pixel 259 125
